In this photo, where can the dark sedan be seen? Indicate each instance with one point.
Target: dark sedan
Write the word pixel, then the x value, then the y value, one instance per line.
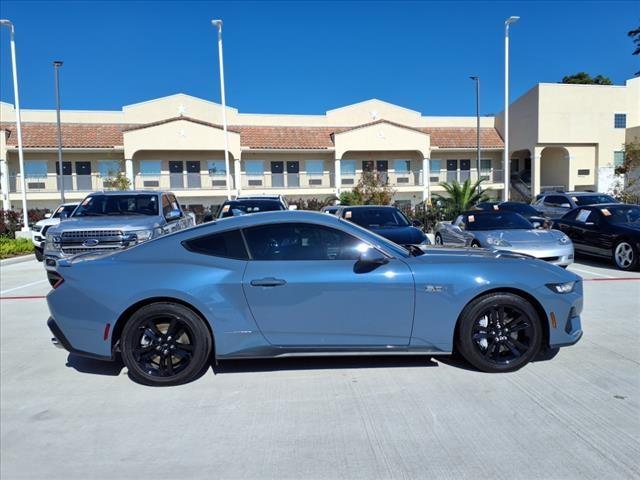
pixel 536 217
pixel 608 230
pixel 386 221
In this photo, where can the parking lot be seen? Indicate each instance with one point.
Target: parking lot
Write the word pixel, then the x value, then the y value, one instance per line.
pixel 574 416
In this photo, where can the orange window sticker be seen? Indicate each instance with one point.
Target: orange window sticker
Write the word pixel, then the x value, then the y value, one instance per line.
pixel 606 212
pixel 226 208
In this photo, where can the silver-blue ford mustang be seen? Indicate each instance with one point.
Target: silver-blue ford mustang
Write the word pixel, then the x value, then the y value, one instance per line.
pixel 302 283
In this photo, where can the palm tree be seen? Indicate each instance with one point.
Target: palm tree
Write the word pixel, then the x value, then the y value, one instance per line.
pixel 461 197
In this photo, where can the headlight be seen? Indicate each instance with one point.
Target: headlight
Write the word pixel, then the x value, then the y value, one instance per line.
pixel 564 240
pixel 143 235
pixel 566 287
pixel 52 242
pixel 498 242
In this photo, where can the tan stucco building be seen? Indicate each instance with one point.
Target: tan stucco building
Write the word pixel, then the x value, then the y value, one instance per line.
pixel 566 135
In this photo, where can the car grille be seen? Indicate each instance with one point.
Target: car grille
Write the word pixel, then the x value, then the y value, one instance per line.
pixel 550 259
pixel 74 241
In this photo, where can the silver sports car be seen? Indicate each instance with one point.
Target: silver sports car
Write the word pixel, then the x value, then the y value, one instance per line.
pixel 505 231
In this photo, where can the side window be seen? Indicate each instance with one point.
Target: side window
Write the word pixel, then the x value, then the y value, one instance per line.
pixel 166 205
pixel 555 200
pixel 175 205
pixel 571 215
pixel 301 241
pixel 225 244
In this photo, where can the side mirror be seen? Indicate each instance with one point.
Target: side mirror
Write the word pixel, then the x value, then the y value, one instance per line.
pixel 369 260
pixel 47 215
pixel 173 215
pixel 416 223
pixel 537 225
pixel 565 205
pixel 63 216
pixel 293 207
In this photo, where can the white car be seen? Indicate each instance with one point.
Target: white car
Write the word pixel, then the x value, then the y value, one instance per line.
pixel 39 230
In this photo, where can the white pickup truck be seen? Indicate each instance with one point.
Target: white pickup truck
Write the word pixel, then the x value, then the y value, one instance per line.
pixel 39 230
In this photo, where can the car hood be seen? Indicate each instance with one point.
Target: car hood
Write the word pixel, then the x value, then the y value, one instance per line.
pixel 521 237
pixel 401 235
pixel 125 222
pixel 48 221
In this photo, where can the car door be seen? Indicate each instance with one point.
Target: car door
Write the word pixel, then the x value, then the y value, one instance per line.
pixel 303 290
pixel 454 234
pixel 596 237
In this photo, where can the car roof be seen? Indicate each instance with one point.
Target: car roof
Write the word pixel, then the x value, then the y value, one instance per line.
pixel 110 193
pixel 242 221
pixel 358 207
pixel 253 200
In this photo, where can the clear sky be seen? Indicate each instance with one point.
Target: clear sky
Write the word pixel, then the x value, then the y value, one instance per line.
pixel 304 57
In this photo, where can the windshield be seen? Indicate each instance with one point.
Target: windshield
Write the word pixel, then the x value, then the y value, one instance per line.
pixel 377 217
pixel 234 209
pixel 622 214
pixel 134 204
pixel 497 221
pixel 582 200
pixel 521 208
pixel 66 208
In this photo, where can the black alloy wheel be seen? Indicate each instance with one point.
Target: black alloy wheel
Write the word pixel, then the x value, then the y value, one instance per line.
pixel 499 332
pixel 165 344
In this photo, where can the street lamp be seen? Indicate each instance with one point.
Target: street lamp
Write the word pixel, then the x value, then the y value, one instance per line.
pixel 507 22
pixel 56 65
pixel 218 25
pixel 23 183
pixel 477 80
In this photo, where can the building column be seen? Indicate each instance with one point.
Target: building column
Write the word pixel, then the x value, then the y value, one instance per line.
pixel 337 177
pixel 571 184
pixel 536 171
pixel 128 171
pixel 237 175
pixel 426 191
pixel 4 172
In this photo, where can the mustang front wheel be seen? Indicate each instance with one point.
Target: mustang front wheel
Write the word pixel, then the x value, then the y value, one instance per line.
pixel 499 332
pixel 165 344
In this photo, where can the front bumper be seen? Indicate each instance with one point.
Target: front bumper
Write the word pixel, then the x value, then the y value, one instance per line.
pixel 561 255
pixel 60 340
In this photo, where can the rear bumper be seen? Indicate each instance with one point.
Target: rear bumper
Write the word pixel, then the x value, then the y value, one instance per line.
pixel 60 340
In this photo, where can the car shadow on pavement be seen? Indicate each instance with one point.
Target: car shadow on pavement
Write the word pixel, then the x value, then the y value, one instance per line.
pixel 322 363
pixel 458 362
pixel 96 367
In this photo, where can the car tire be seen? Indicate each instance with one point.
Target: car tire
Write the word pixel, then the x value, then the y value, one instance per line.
pixel 39 254
pixel 499 332
pixel 475 244
pixel 438 239
pixel 165 344
pixel 625 255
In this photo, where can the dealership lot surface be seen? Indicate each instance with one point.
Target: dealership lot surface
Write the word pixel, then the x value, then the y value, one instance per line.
pixel 575 416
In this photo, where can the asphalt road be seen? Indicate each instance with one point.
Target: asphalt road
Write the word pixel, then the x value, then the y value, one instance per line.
pixel 575 416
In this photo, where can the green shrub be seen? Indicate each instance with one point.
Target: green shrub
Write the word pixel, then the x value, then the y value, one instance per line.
pixel 10 247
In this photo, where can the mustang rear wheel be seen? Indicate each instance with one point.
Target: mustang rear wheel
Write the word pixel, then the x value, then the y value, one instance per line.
pixel 499 332
pixel 165 344
pixel 625 256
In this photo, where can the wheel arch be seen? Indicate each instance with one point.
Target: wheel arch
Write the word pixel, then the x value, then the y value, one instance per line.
pixel 126 315
pixel 542 314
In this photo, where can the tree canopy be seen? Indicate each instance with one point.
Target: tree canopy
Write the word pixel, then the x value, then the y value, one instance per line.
pixel 583 78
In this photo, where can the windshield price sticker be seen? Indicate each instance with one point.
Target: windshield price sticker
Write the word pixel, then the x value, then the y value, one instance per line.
pixel 583 215
pixel 225 209
pixel 496 207
pixel 348 214
pixel 605 212
pixel 472 218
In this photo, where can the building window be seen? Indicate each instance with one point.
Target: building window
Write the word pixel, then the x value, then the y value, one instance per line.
pixel 35 169
pixel 485 165
pixel 315 167
pixel 618 159
pixel 435 166
pixel 150 167
pixel 402 166
pixel 254 167
pixel 216 167
pixel 348 167
pixel 620 120
pixel 108 168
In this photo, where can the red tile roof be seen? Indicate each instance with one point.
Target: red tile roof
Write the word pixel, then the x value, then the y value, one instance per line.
pixel 76 135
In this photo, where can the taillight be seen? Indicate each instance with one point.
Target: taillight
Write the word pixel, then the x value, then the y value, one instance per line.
pixel 55 279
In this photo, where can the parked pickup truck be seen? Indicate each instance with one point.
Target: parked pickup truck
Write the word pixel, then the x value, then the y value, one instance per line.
pixel 39 230
pixel 113 220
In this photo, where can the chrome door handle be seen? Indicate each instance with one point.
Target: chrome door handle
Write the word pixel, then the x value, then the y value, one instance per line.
pixel 268 282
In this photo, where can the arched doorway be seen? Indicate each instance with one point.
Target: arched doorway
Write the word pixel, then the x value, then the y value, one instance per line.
pixel 554 169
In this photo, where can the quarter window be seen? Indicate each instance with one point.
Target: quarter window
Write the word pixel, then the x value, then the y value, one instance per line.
pixel 301 241
pixel 620 120
pixel 225 244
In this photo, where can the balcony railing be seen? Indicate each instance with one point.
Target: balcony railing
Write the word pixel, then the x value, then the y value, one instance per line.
pixel 447 176
pixel 395 179
pixel 286 180
pixel 181 181
pixel 51 183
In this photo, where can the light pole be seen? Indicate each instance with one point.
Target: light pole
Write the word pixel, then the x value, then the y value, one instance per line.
pixel 218 25
pixel 507 22
pixel 477 80
pixel 23 183
pixel 56 65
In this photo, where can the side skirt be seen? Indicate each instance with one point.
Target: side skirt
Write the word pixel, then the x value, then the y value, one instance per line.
pixel 295 351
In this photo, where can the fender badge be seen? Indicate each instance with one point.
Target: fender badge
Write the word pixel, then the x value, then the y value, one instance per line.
pixel 434 288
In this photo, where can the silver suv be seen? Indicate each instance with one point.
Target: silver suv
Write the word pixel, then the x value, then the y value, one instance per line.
pixel 556 204
pixel 107 221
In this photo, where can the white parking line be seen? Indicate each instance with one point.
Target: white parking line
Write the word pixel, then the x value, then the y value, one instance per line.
pixel 590 272
pixel 22 286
